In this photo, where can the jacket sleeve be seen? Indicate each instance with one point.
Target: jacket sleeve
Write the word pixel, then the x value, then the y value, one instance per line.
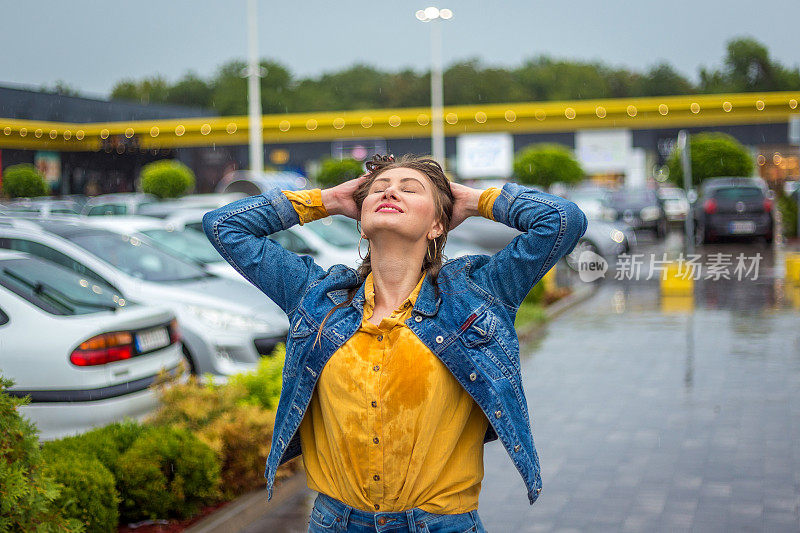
pixel 551 227
pixel 240 233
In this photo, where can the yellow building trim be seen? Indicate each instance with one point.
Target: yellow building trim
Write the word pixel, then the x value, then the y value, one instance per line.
pixel 523 117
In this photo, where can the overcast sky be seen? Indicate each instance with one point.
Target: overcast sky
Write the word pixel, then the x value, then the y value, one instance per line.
pixel 90 45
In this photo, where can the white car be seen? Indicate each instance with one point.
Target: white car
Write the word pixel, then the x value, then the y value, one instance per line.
pixel 226 325
pixel 84 355
pixel 185 243
pixel 331 240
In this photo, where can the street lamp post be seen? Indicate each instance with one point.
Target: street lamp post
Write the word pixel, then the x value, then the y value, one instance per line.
pixel 254 91
pixel 435 15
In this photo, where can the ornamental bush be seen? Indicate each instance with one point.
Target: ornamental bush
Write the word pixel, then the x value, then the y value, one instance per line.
pixel 335 171
pixel 545 163
pixel 713 154
pixel 89 493
pixel 168 472
pixel 23 181
pixel 167 178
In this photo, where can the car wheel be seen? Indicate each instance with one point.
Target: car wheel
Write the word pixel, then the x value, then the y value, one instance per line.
pixel 188 361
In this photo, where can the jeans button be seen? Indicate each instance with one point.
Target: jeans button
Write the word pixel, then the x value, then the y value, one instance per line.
pixel 439 338
pixel 473 376
pixel 418 318
pixel 498 413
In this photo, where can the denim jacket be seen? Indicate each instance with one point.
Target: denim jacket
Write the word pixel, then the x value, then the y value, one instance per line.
pixel 469 325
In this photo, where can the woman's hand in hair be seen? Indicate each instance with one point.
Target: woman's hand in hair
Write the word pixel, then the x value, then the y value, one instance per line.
pixel 466 204
pixel 339 200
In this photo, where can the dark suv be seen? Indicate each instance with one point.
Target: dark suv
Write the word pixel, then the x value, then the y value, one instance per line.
pixel 733 207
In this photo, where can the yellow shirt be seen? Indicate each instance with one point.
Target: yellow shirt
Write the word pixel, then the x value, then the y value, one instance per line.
pixel 388 426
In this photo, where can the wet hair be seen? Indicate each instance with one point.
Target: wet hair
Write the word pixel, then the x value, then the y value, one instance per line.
pixel 443 200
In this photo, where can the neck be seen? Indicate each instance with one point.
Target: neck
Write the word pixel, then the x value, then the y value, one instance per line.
pixel 396 270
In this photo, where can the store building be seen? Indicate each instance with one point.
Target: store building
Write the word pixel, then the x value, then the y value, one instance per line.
pixel 619 141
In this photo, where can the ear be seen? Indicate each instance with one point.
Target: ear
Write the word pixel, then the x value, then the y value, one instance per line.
pixel 437 229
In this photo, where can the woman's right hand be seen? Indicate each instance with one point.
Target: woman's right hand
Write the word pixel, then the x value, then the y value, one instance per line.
pixel 338 200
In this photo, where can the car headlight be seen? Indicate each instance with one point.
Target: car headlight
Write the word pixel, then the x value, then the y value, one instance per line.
pixel 651 212
pixel 226 320
pixel 617 236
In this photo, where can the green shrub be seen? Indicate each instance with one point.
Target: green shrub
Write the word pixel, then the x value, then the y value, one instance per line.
pixel 335 171
pixel 89 492
pixel 23 181
pixel 545 163
pixel 262 386
pixel 167 178
pixel 27 492
pixel 241 438
pixel 105 443
pixel 167 472
pixel 712 154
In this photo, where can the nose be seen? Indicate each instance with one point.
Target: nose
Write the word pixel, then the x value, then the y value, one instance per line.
pixel 389 192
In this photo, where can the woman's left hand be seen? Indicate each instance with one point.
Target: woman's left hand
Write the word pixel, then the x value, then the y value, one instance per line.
pixel 466 204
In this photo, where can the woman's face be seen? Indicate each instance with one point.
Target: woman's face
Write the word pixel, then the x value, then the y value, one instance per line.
pixel 411 192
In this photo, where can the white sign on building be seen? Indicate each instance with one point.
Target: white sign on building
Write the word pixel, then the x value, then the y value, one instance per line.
pixel 485 155
pixel 604 151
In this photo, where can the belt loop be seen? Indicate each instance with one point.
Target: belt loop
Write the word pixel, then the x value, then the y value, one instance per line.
pixel 412 524
pixel 345 517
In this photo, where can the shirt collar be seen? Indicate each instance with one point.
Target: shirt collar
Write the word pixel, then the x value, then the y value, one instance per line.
pixel 369 293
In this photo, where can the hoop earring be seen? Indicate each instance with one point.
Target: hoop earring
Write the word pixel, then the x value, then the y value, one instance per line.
pixel 435 251
pixel 359 247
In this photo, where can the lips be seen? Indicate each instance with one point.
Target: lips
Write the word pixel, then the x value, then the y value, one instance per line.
pixel 392 206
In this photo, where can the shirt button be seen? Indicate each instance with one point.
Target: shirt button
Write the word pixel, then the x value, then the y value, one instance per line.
pixel 418 318
pixel 377 506
pixel 439 338
pixel 498 414
pixel 376 477
pixel 375 440
pixel 376 368
pixel 374 403
pixel 380 337
pixel 473 376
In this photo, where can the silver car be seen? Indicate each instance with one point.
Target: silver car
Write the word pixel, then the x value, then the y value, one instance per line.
pixel 227 325
pixel 84 355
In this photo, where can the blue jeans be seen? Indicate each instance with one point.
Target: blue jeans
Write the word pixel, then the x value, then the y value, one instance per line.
pixel 331 515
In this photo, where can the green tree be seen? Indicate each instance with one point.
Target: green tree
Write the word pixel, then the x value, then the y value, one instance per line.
pixel 545 163
pixel 153 90
pixel 167 178
pixel 335 171
pixel 663 80
pixel 191 90
pixel 713 154
pixel 748 68
pixel 23 181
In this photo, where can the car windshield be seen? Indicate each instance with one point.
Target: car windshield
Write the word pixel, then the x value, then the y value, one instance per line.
pixel 336 232
pixel 56 289
pixel 137 258
pixel 738 193
pixel 187 243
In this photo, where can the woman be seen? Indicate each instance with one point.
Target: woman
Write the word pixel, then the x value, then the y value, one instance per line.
pixel 397 373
